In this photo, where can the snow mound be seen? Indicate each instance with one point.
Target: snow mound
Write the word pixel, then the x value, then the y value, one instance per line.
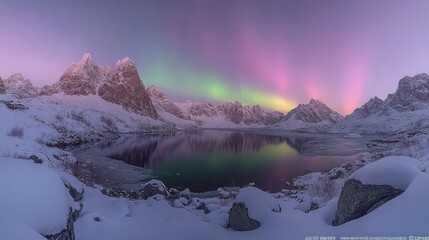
pixel 259 203
pixel 396 171
pixel 32 195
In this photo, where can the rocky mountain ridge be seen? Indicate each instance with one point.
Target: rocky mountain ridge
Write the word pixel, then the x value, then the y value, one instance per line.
pixel 412 94
pixel 120 85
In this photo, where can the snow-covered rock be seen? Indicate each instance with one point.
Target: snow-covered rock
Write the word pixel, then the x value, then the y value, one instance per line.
pixel 19 86
pixel 152 188
pixel 32 197
pixel 251 208
pixel 373 185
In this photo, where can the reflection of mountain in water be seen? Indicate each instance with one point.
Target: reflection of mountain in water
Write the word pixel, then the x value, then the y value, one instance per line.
pixel 147 151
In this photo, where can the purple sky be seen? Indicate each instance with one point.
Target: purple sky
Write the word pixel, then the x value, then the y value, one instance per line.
pixel 278 53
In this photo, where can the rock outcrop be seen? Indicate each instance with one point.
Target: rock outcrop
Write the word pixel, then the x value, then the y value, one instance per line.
pixel 18 85
pixel 239 220
pixel 125 88
pixel 357 200
pixel 120 85
pixel 152 188
pixel 203 109
pixel 2 87
pixel 314 112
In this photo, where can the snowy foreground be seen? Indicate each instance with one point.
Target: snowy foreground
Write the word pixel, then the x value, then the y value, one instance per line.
pixel 35 202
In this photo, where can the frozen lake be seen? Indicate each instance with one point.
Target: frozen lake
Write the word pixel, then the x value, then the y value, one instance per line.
pixel 207 159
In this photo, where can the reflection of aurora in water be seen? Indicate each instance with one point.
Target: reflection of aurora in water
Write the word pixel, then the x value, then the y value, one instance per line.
pixel 205 160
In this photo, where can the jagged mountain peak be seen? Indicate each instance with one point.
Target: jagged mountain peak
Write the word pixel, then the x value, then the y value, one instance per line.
pixel 125 62
pixel 16 77
pixel 313 112
pixel 85 60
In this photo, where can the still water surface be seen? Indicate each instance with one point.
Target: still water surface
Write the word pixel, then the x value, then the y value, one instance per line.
pixel 208 159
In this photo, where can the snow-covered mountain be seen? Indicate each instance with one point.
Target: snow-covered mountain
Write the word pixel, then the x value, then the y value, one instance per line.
pixel 120 85
pixel 405 110
pixel 19 86
pixel 203 113
pixel 412 94
pixel 314 112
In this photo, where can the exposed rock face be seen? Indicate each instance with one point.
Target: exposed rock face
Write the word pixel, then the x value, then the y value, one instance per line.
pixel 121 85
pixel 203 109
pixel 412 93
pixel 273 118
pixel 239 220
pixel 152 188
pixel 373 106
pixel 124 87
pixel 2 87
pixel 233 111
pixel 18 85
pixel 163 103
pixel 314 112
pixel 237 113
pixel 80 78
pixel 357 200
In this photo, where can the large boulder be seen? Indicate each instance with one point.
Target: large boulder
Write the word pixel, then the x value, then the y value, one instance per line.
pixel 252 208
pixel 357 200
pixel 239 220
pixel 374 185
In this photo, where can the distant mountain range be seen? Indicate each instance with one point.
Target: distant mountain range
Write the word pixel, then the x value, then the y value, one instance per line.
pixel 122 85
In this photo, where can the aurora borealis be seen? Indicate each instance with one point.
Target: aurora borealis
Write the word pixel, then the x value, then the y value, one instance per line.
pixel 275 53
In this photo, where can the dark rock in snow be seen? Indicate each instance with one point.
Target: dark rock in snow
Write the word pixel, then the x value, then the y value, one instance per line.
pixel 14 106
pixel 152 188
pixel 67 233
pixel 36 159
pixel 76 195
pixel 357 200
pixel 239 220
pixel 203 206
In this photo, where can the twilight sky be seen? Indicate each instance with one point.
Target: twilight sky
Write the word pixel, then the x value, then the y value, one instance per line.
pixel 274 53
